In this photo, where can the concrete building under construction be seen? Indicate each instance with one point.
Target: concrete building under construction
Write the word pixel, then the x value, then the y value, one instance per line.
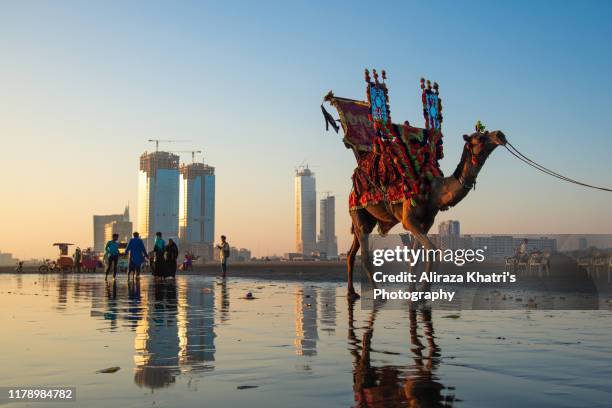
pixel 197 209
pixel 158 196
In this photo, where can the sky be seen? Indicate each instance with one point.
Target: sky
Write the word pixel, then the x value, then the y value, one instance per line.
pixel 84 85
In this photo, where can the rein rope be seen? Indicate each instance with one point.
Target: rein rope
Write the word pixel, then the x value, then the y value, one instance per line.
pixel 516 153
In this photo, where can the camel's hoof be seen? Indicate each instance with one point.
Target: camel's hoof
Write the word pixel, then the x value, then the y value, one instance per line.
pixel 353 296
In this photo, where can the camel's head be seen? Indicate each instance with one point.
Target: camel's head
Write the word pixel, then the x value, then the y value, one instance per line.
pixel 481 144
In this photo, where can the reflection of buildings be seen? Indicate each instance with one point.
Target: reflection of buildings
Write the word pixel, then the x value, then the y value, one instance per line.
pixel 305 211
pixel 158 195
pixel 306 335
pixel 327 303
pixel 196 321
pixel 157 341
pixel 328 243
pixel 99 227
pixel 176 333
pixel 197 209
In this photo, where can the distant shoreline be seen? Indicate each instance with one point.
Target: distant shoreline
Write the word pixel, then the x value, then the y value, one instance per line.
pixel 334 271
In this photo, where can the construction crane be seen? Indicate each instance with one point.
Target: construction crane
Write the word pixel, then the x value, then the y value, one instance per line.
pixel 193 153
pixel 157 141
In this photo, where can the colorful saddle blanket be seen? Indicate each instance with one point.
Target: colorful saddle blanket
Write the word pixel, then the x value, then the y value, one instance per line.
pixel 393 166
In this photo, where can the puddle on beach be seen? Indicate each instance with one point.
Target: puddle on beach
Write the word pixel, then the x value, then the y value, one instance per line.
pixel 199 342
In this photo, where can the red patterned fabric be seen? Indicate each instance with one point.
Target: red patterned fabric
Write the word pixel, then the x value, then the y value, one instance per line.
pixel 390 169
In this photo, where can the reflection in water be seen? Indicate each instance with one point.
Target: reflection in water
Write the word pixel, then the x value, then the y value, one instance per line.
pixel 328 309
pixel 390 385
pixel 163 335
pixel 157 341
pixel 196 327
pixel 306 335
pixel 224 300
pixel 176 334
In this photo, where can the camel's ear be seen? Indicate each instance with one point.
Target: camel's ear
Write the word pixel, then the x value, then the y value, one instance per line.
pixel 466 138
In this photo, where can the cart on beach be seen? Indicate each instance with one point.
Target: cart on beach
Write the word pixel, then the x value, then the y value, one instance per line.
pixel 89 260
pixel 64 262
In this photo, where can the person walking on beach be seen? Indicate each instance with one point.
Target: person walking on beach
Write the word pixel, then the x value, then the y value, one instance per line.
pixel 77 259
pixel 224 253
pixel 171 257
pixel 137 254
pixel 158 248
pixel 111 251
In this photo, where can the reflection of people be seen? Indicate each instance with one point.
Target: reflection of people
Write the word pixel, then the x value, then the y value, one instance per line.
pixel 112 253
pixel 158 250
pixel 137 254
pixel 171 257
pixel 224 253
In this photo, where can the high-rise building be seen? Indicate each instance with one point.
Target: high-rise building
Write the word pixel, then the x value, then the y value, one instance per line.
pixel 449 228
pixel 99 226
pixel 305 211
pixel 121 228
pixel 197 209
pixel 328 243
pixel 158 195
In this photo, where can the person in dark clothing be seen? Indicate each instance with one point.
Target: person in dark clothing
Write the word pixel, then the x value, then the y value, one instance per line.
pixel 158 248
pixel 171 257
pixel 112 253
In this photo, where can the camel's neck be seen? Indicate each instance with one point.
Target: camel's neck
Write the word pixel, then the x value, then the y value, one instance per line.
pixel 453 189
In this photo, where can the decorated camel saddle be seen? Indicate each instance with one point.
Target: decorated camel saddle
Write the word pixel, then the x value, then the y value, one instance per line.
pixel 395 162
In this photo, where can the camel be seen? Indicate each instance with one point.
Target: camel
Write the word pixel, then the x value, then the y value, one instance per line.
pixel 417 219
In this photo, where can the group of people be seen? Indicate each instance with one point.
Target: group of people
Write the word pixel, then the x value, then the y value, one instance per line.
pixel 163 259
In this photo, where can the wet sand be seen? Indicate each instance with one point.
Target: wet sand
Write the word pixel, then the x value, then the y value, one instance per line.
pixel 199 342
pixel 330 271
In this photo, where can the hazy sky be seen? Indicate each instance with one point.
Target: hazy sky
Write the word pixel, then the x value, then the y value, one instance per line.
pixel 83 85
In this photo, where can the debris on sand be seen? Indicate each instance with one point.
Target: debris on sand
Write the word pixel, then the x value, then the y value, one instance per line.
pixel 249 296
pixel 108 370
pixel 451 316
pixel 246 387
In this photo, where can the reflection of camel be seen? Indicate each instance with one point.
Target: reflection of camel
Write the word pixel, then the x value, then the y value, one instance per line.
pixel 417 219
pixel 391 385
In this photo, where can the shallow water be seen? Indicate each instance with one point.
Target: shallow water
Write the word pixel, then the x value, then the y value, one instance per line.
pixel 198 342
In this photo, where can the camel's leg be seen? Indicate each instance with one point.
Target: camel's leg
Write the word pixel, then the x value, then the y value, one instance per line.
pixel 419 234
pixel 365 256
pixel 350 264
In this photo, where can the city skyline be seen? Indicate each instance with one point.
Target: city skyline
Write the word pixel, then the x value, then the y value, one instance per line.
pixel 85 87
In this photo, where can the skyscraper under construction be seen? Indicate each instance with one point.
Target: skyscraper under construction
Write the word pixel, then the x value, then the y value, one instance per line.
pixel 158 195
pixel 197 209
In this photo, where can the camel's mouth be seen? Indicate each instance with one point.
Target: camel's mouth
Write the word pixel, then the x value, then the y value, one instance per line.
pixel 500 138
